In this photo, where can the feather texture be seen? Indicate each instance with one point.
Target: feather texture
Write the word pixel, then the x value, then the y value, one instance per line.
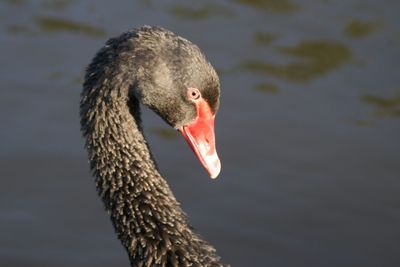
pixel 145 214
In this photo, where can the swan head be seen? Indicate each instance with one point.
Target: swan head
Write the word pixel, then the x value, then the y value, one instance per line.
pixel 174 79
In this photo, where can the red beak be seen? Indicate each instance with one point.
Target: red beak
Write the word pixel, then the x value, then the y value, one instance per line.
pixel 200 136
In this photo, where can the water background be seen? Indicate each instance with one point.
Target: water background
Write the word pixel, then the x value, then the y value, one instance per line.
pixel 308 131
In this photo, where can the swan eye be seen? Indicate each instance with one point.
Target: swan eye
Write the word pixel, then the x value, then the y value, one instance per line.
pixel 194 94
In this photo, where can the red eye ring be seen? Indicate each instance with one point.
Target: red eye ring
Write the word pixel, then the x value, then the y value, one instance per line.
pixel 193 94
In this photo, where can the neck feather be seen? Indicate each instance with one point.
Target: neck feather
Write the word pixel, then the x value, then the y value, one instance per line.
pixel 145 214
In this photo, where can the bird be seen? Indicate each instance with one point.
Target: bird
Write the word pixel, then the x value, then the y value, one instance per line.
pixel 153 67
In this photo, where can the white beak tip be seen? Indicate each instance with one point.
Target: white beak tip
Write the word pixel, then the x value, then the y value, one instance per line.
pixel 214 172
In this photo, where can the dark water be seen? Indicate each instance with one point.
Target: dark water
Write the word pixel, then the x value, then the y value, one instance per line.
pixel 308 131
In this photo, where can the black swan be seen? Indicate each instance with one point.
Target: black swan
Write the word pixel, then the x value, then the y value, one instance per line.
pixel 171 76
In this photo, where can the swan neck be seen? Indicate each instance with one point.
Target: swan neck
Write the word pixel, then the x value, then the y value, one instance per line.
pixel 145 214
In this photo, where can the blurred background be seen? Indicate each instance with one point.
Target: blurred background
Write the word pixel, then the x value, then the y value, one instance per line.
pixel 308 131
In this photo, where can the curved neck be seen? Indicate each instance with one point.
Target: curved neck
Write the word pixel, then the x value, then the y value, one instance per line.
pixel 145 214
pixel 137 198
